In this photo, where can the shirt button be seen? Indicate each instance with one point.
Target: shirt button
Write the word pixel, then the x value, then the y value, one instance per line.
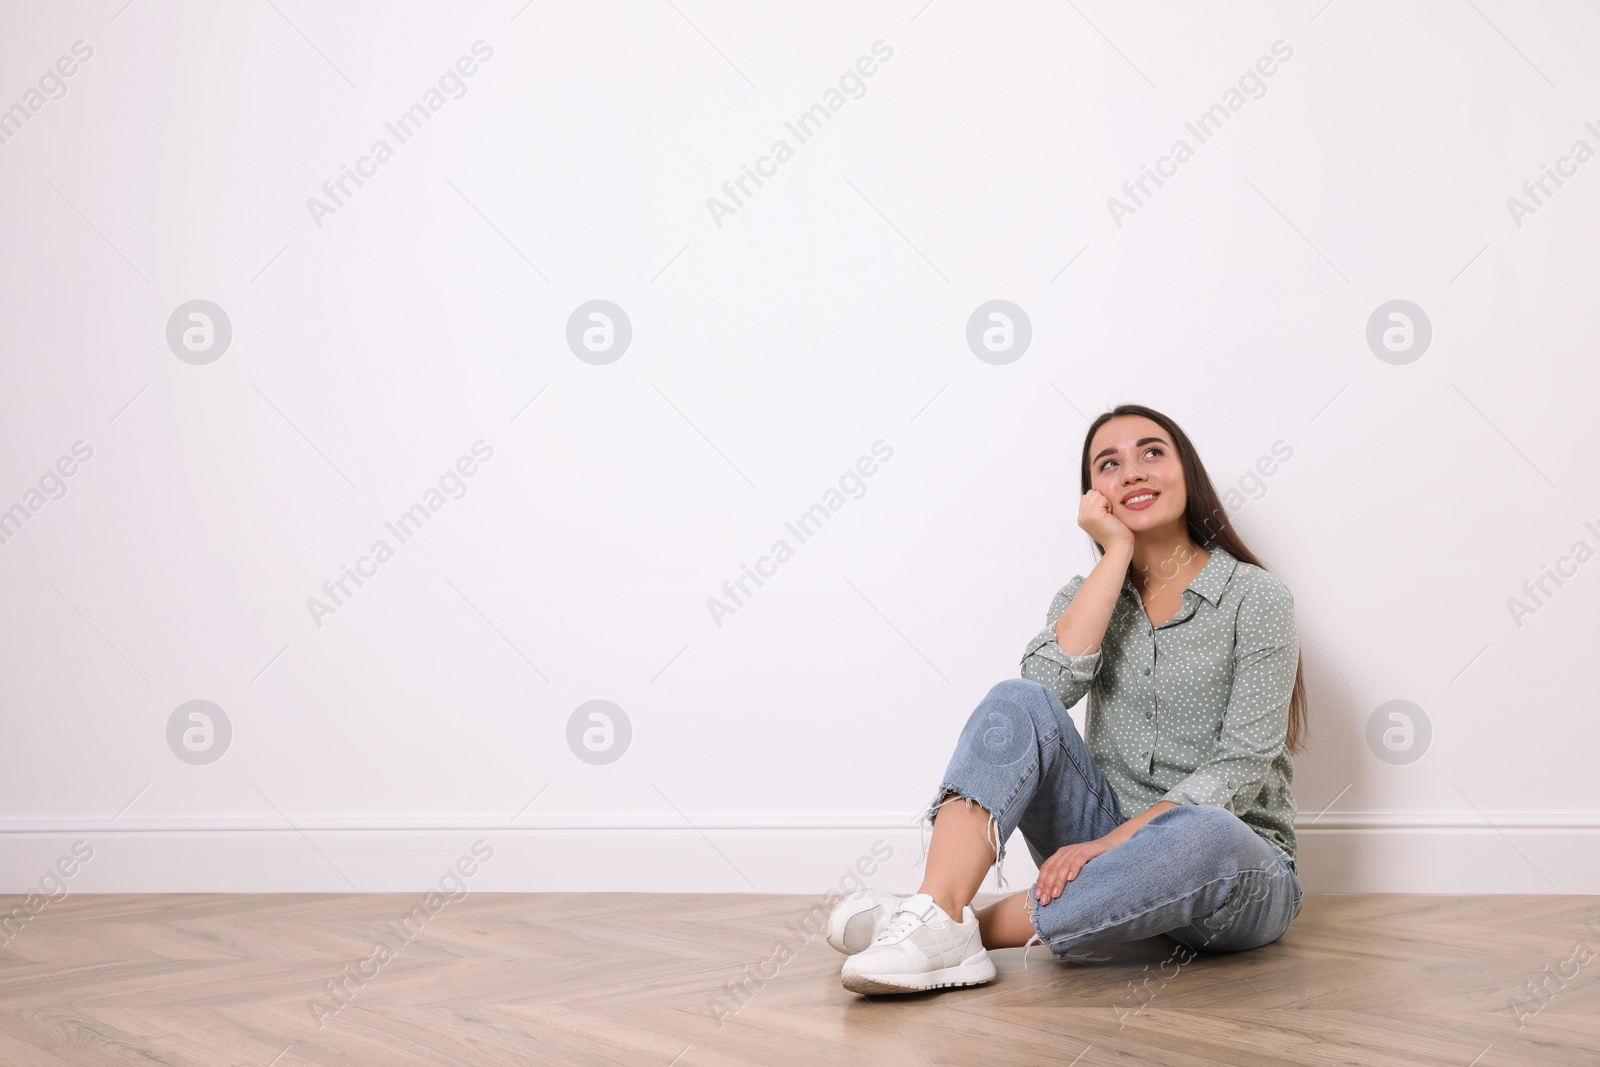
pixel 1147 670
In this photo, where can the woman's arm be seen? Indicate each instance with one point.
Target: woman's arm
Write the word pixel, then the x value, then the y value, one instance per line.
pixel 1082 626
pixel 1065 656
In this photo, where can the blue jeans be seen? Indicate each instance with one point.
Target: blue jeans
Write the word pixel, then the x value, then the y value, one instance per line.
pixel 1196 873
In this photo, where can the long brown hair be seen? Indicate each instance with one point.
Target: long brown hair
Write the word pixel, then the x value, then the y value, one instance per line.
pixel 1208 524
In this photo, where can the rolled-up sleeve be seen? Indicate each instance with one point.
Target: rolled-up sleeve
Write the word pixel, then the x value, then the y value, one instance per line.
pixel 1046 662
pixel 1256 722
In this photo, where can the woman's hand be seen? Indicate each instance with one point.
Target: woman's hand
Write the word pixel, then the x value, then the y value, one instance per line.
pixel 1064 866
pixel 1094 516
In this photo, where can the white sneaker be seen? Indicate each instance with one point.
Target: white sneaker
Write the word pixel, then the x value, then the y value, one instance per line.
pixel 921 948
pixel 859 918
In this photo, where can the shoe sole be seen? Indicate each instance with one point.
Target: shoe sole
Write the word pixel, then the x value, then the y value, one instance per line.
pixel 969 973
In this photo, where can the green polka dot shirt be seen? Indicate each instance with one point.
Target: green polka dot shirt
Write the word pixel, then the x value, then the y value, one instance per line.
pixel 1194 710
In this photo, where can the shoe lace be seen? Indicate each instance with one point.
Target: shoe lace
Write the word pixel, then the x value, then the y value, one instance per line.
pixel 901 923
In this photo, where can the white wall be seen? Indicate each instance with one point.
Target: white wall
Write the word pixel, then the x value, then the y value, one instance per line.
pixel 374 345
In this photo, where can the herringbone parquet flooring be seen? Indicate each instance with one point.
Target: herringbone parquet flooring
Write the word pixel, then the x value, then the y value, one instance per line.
pixel 696 981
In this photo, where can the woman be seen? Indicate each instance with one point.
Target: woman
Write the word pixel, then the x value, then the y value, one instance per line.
pixel 1187 650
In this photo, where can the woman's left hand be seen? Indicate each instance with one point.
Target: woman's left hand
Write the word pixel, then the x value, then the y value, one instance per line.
pixel 1064 866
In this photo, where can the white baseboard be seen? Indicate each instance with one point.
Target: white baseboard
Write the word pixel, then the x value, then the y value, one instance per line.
pixel 1347 853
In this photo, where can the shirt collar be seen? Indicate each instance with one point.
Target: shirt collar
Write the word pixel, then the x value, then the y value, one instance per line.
pixel 1209 582
pixel 1213 577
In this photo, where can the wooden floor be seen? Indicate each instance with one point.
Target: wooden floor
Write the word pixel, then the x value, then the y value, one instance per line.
pixel 645 979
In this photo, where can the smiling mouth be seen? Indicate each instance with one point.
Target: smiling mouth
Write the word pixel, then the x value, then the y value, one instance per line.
pixel 1140 501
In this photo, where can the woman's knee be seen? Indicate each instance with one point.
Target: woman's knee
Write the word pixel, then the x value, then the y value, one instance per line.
pixel 1261 891
pixel 1014 717
pixel 1257 912
pixel 1017 690
pixel 1034 698
pixel 1218 843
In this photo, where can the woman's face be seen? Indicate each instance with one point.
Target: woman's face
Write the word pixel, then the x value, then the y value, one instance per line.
pixel 1133 464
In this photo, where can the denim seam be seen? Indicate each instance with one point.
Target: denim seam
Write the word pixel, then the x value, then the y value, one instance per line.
pixel 1010 800
pixel 1099 796
pixel 1253 870
pixel 1035 770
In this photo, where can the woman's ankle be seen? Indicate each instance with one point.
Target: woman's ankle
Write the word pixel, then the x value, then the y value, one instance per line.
pixel 1007 923
pixel 947 901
